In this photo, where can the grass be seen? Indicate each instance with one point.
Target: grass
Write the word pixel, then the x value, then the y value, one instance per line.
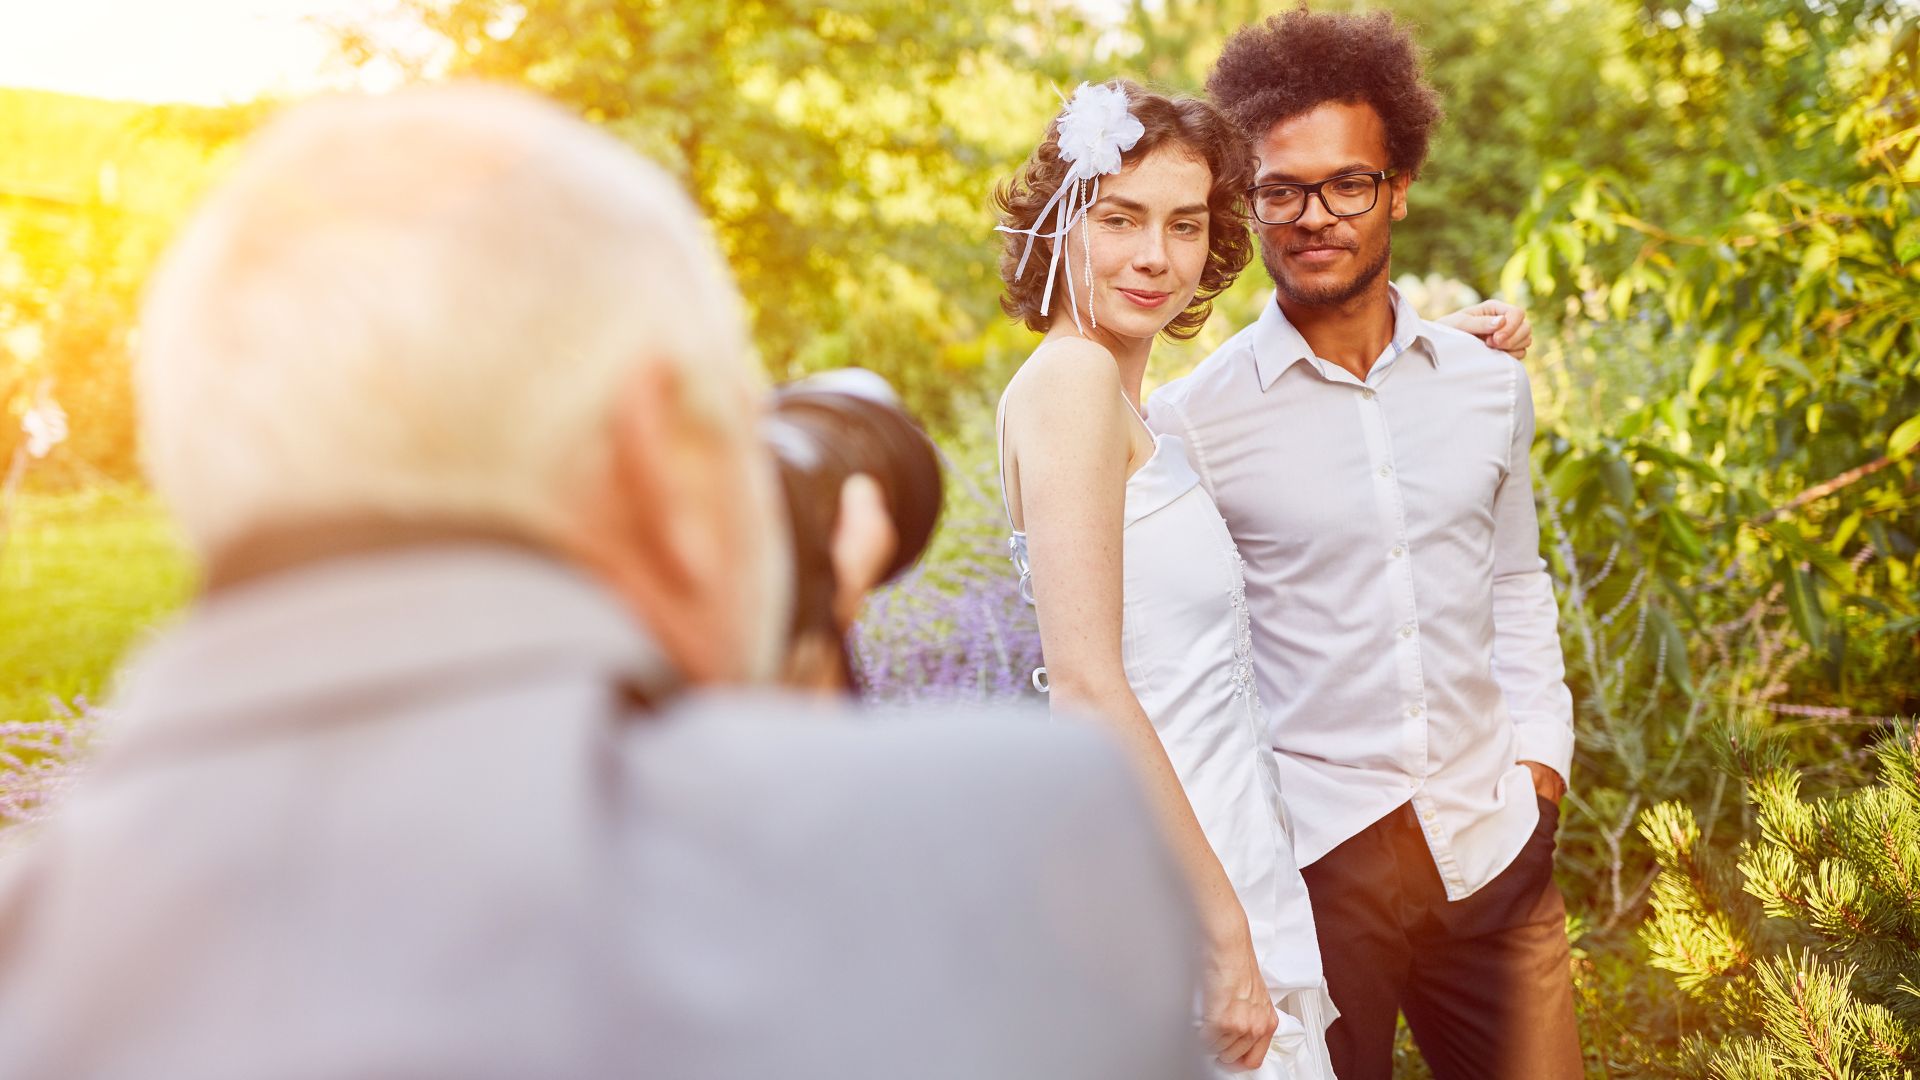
pixel 83 577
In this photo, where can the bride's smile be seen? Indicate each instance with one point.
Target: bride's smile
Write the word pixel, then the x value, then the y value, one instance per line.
pixel 1148 236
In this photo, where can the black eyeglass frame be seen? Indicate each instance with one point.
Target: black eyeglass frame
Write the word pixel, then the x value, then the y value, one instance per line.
pixel 1309 191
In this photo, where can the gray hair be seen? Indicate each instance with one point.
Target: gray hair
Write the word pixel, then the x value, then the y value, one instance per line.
pixel 423 305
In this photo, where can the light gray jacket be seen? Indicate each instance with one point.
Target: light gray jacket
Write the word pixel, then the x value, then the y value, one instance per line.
pixel 393 816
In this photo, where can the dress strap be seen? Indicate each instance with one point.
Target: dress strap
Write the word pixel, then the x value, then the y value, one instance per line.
pixel 1017 543
pixel 1000 455
pixel 1140 416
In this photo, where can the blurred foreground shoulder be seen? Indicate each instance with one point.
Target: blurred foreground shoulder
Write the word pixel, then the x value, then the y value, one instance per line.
pixel 967 772
pixel 1003 867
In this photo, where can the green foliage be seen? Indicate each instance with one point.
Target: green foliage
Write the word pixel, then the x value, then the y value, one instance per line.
pixel 1726 390
pixel 82 577
pixel 844 153
pixel 1526 87
pixel 89 193
pixel 1804 959
pixel 1523 86
pixel 1692 932
pixel 1767 440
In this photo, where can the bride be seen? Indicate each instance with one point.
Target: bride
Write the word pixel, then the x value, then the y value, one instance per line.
pixel 1129 214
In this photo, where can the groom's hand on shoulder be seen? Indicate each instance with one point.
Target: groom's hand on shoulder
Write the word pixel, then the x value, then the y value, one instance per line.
pixel 1546 782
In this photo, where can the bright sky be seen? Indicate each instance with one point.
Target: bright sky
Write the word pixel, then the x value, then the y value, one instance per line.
pixel 208 52
pixel 202 51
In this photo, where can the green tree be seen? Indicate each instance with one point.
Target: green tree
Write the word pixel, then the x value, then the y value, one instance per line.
pixel 1525 86
pixel 90 191
pixel 1741 396
pixel 1805 957
pixel 844 153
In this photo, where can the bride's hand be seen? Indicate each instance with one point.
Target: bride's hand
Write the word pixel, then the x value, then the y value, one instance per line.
pixel 1236 1013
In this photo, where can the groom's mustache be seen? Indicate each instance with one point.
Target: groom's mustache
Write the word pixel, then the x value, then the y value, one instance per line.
pixel 1324 239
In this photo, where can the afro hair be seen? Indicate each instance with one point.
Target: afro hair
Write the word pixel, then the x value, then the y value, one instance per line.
pixel 1293 63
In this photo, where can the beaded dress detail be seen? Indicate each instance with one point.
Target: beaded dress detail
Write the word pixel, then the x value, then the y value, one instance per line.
pixel 1243 644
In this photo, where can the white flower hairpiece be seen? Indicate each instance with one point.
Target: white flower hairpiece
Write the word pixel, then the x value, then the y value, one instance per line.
pixel 1095 129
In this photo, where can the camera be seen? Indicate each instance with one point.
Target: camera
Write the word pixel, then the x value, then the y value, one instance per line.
pixel 863 488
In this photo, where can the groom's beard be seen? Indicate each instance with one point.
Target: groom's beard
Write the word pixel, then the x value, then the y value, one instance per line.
pixel 1274 256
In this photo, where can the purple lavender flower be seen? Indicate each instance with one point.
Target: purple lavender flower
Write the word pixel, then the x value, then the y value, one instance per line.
pixel 40 759
pixel 954 631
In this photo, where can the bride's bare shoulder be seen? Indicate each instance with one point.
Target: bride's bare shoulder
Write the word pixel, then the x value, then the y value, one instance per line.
pixel 1065 373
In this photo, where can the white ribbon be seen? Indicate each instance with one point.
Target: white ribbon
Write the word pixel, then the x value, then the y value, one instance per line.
pixel 1095 129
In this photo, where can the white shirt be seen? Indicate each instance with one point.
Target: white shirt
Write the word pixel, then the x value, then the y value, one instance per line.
pixel 1404 626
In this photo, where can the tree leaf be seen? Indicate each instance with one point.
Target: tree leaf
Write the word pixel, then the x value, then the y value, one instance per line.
pixel 1618 476
pixel 1904 437
pixel 1906 244
pixel 1803 603
pixel 1678 529
pixel 1667 633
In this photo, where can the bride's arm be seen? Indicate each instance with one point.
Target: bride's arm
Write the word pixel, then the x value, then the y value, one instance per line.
pixel 1068 437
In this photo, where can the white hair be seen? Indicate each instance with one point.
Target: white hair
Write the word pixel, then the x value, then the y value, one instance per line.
pixel 423 305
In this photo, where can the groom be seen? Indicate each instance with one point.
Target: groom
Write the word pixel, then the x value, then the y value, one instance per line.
pixel 1373 468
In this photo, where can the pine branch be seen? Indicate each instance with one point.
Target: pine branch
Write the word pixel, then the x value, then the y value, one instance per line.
pixel 1806 998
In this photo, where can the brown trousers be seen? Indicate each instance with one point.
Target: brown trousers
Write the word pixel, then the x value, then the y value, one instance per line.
pixel 1484 981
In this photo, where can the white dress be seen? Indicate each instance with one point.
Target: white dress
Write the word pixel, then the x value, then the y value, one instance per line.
pixel 1187 647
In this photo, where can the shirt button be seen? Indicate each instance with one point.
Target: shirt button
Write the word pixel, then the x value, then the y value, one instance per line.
pixel 1413 711
pixel 1386 470
pixel 1367 394
pixel 1406 630
pixel 1397 551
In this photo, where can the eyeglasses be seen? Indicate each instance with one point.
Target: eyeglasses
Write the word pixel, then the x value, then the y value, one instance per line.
pixel 1344 196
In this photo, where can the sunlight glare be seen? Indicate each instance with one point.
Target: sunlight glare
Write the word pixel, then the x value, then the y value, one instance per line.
pixel 207 52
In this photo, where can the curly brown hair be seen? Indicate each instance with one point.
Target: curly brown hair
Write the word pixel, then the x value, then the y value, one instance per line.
pixel 1187 122
pixel 1300 60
